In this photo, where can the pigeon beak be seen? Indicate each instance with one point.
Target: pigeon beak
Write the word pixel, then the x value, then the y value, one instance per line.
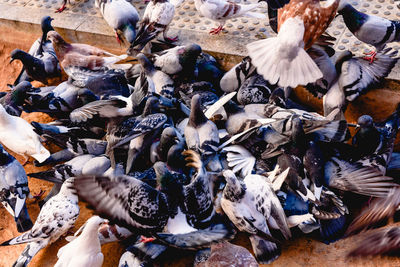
pixel 358 126
pixel 11 60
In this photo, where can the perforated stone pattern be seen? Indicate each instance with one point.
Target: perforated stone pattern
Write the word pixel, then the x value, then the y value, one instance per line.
pixel 187 18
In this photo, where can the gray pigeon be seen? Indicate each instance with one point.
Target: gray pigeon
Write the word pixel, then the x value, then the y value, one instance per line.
pixel 121 16
pixel 14 190
pixel 57 216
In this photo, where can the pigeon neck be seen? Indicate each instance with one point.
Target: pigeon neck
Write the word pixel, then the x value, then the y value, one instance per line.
pixel 232 108
pixel 197 116
pixel 352 18
pixel 234 191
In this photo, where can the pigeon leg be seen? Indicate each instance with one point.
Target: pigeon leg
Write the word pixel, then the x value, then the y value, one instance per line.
pixel 118 39
pixel 216 31
pixel 371 56
pixel 144 239
pixel 169 39
pixel 62 8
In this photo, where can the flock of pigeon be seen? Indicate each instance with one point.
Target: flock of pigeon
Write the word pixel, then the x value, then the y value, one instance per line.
pixel 174 153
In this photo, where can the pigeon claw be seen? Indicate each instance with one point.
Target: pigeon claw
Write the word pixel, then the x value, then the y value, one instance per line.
pixel 172 40
pixel 371 56
pixel 144 239
pixel 216 31
pixel 61 9
pixel 38 195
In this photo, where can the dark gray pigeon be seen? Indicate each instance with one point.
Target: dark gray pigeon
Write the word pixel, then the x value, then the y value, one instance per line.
pixel 38 47
pixel 38 68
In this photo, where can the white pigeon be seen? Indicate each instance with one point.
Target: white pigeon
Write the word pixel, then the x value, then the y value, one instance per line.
pixel 56 217
pixel 84 250
pixel 222 10
pixel 156 18
pixel 18 136
pixel 122 16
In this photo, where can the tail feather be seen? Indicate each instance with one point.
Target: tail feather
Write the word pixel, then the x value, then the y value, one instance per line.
pixel 27 254
pixel 254 15
pixel 42 156
pixel 50 176
pixel 284 62
pixel 24 222
pixel 265 251
pixel 198 239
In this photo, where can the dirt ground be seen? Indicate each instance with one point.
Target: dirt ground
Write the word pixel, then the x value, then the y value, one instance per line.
pixel 302 251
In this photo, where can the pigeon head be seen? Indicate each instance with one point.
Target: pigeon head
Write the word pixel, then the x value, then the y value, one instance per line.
pixel 232 108
pixel 343 57
pixel 19 92
pixel 234 190
pixel 46 24
pixel 197 116
pixel 152 106
pixel 17 54
pixel 342 5
pixel 68 188
pixel 165 179
pixel 189 54
pixel 365 121
pixel 55 38
pixel 147 66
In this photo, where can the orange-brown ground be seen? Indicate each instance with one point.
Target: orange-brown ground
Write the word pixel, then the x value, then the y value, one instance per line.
pixel 298 252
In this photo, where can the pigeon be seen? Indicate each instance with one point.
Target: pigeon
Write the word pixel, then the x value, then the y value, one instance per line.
pixel 61 172
pixel 201 135
pixel 103 83
pixel 38 46
pixel 163 84
pixel 56 217
pixel 233 79
pixel 84 250
pixel 367 138
pixel 250 204
pixel 364 175
pixel 121 16
pixel 355 76
pixel 222 10
pixel 283 59
pixel 138 131
pixel 156 18
pixel 254 90
pixel 14 100
pixel 115 106
pixel 18 136
pixel 179 59
pixel 196 197
pixel 81 55
pixel 228 254
pixel 38 68
pixel 126 201
pixel 159 150
pixel 370 29
pixel 14 190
